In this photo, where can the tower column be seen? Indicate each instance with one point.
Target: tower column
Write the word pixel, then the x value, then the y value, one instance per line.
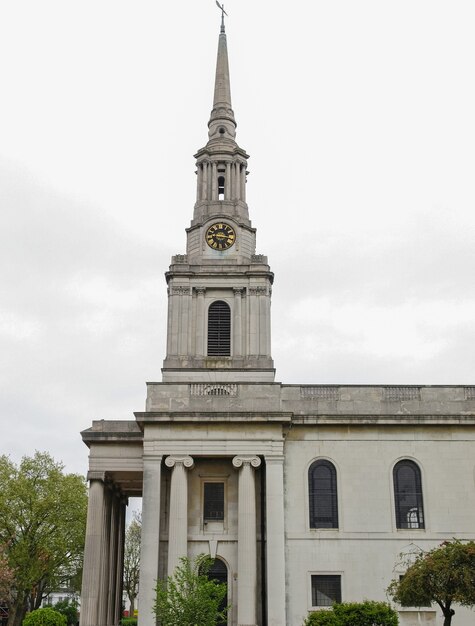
pixel 214 182
pixel 237 181
pixel 152 466
pixel 275 544
pixel 178 525
pixel 91 578
pixel 113 554
pixel 247 540
pixel 183 322
pixel 204 184
pixel 253 322
pixel 227 189
pixel 243 183
pixel 237 323
pixel 199 176
pixel 200 320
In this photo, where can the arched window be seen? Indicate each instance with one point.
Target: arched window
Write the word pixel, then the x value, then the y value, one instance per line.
pixel 219 329
pixel 408 495
pixel 220 187
pixel 323 497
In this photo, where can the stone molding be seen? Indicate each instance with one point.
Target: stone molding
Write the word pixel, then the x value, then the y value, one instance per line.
pixel 184 460
pixel 180 291
pixel 215 389
pixel 402 393
pixel 253 461
pixel 92 475
pixel 469 393
pixel 200 291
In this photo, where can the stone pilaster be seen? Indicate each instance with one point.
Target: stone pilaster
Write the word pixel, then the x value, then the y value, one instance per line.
pixel 247 540
pixel 237 322
pixel 150 537
pixel 91 577
pixel 275 541
pixel 200 320
pixel 178 526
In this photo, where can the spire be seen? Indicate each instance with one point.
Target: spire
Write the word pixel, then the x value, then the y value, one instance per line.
pixel 222 123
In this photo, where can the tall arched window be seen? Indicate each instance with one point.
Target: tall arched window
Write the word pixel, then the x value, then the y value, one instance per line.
pixel 408 495
pixel 219 572
pixel 323 497
pixel 219 329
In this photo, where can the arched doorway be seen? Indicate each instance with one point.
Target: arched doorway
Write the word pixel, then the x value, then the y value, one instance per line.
pixel 218 571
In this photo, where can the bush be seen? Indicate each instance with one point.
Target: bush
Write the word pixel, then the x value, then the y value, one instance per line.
pixel 68 608
pixel 44 617
pixel 128 621
pixel 355 614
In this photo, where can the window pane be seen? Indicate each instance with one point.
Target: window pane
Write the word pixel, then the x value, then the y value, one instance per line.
pixel 326 589
pixel 219 329
pixel 213 502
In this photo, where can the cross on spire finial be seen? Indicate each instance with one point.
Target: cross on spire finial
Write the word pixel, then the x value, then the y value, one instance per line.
pixel 223 13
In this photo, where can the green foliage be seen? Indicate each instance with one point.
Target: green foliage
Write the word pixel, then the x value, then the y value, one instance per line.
pixel 189 597
pixel 44 617
pixel 444 575
pixel 128 621
pixel 68 608
pixel 132 560
pixel 42 528
pixel 355 614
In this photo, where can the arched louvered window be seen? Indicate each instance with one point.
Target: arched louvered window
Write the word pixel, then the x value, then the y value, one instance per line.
pixel 323 497
pixel 408 495
pixel 219 329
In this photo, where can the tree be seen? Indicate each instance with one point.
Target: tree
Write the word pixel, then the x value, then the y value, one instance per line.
pixel 444 575
pixel 68 608
pixel 366 613
pixel 132 560
pixel 42 529
pixel 189 597
pixel 6 577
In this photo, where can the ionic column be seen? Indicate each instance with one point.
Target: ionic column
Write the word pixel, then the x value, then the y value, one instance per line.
pixel 275 544
pixel 113 553
pixel 237 323
pixel 120 561
pixel 178 524
pixel 91 577
pixel 200 320
pixel 105 557
pixel 247 540
pixel 227 182
pixel 214 182
pixel 150 537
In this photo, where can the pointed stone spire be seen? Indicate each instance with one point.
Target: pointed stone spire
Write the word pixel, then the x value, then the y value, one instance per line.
pixel 222 123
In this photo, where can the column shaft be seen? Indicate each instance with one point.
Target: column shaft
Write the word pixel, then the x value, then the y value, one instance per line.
pixel 247 541
pixel 91 577
pixel 253 322
pixel 200 324
pixel 178 526
pixel 204 188
pixel 150 537
pixel 227 182
pixel 238 181
pixel 214 182
pixel 275 541
pixel 114 544
pixel 237 324
pixel 243 183
pixel 105 557
pixel 119 586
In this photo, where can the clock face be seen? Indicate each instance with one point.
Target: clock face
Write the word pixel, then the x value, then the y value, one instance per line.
pixel 220 236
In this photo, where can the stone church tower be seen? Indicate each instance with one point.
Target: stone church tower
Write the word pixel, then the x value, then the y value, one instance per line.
pixel 303 495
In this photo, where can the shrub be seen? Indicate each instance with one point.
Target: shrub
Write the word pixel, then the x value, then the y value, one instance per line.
pixel 128 621
pixel 68 608
pixel 44 617
pixel 355 614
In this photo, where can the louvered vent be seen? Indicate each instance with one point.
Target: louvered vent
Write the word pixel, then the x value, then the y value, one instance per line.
pixel 219 329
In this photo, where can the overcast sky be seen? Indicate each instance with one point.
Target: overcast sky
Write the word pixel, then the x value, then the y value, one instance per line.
pixel 359 119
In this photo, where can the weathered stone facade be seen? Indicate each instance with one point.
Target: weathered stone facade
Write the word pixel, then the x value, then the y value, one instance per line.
pixel 218 418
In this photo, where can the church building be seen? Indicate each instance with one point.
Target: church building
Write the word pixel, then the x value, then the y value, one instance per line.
pixel 303 495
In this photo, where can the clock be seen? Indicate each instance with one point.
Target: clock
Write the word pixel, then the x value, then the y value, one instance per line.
pixel 220 236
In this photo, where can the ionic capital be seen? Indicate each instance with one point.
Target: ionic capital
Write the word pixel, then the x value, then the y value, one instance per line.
pixel 238 291
pixel 253 461
pixel 200 291
pixel 184 460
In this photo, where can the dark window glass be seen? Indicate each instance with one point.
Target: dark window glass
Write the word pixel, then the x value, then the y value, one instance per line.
pixel 213 509
pixel 408 495
pixel 323 500
pixel 326 589
pixel 219 329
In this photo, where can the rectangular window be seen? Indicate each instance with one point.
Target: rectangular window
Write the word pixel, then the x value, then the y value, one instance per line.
pixel 326 589
pixel 213 505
